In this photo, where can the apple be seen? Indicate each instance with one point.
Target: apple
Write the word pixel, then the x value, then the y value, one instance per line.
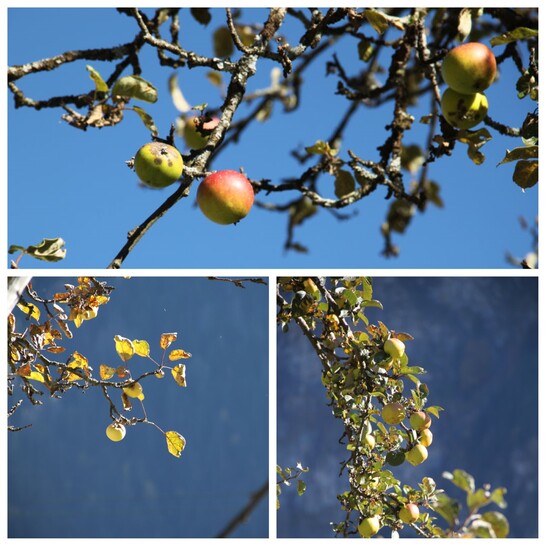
pixel 369 526
pixel 409 513
pixel 158 164
pixel 197 130
pixel 115 432
pixel 134 391
pixel 426 437
pixel 463 111
pixel 420 420
pixel 469 68
pixel 393 413
pixel 417 455
pixel 394 347
pixel 225 197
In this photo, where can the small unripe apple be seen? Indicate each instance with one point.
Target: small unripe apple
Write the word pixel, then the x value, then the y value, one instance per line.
pixel 469 68
pixel 134 391
pixel 115 432
pixel 394 347
pixel 196 133
pixel 369 441
pixel 393 413
pixel 463 111
pixel 369 526
pixel 426 437
pixel 417 455
pixel 420 420
pixel 225 197
pixel 409 513
pixel 158 165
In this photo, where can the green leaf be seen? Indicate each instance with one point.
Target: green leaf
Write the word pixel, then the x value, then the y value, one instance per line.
pixel 301 487
pixel 475 140
pixel 100 85
pixel 434 410
pixel 377 19
pixel 461 479
pixel 344 184
pixel 526 174
pixel 365 50
pixel 447 508
pixel 175 443
pixel 223 43
pixel 321 147
pixel 520 33
pixel 147 120
pixel 497 497
pixel 524 152
pixel 201 15
pixel 48 250
pixel 499 523
pixel 134 87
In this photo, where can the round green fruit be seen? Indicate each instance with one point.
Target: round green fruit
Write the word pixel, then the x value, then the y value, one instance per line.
pixel 409 513
pixel 426 437
pixel 463 111
pixel 225 197
pixel 393 413
pixel 369 526
pixel 197 132
pixel 158 165
pixel 469 68
pixel 394 347
pixel 417 455
pixel 420 420
pixel 115 432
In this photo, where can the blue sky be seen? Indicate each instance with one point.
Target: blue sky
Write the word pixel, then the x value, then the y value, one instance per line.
pixel 66 479
pixel 477 340
pixel 66 183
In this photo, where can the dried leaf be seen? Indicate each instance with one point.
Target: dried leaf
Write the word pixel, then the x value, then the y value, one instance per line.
pixel 178 372
pixel 167 339
pixel 176 354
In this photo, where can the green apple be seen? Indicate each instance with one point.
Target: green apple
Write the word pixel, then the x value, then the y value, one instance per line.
pixel 417 455
pixel 469 68
pixel 369 526
pixel 158 165
pixel 420 420
pixel 393 413
pixel 197 131
pixel 409 513
pixel 463 111
pixel 394 347
pixel 426 437
pixel 115 432
pixel 225 197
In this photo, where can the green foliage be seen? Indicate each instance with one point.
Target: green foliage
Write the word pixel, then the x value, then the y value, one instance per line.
pixel 361 379
pixel 287 476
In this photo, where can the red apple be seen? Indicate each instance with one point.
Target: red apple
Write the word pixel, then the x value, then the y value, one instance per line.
pixel 225 197
pixel 469 68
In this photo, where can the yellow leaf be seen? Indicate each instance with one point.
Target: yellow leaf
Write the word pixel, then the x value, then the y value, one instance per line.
pixel 177 354
pixel 56 349
pixel 30 310
pixel 141 347
pixel 124 347
pixel 175 443
pixel 78 361
pixel 106 372
pixel 178 372
pixel 37 376
pixel 167 339
pixel 77 315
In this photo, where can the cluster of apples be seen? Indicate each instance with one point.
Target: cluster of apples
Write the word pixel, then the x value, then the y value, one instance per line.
pixel 225 197
pixel 468 70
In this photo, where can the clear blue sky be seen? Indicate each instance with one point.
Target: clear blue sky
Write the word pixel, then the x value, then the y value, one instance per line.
pixel 477 339
pixel 66 479
pixel 72 184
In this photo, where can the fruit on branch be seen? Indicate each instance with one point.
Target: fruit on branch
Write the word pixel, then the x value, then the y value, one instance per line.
pixel 426 437
pixel 420 420
pixel 134 391
pixel 225 197
pixel 197 131
pixel 115 431
pixel 469 68
pixel 158 164
pixel 463 111
pixel 393 413
pixel 417 455
pixel 394 347
pixel 369 526
pixel 409 513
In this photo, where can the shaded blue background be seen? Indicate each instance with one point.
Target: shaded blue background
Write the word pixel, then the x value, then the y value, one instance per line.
pixel 67 183
pixel 66 479
pixel 477 339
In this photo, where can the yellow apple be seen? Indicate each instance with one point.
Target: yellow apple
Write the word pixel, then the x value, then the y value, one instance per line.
pixel 369 526
pixel 115 432
pixel 393 413
pixel 463 111
pixel 420 420
pixel 394 347
pixel 417 455
pixel 158 165
pixel 409 513
pixel 426 437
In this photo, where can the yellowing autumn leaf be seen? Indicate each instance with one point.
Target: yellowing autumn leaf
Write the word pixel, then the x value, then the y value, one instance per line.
pixel 167 339
pixel 141 347
pixel 25 371
pixel 178 372
pixel 175 443
pixel 106 372
pixel 124 347
pixel 78 361
pixel 177 354
pixel 29 310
